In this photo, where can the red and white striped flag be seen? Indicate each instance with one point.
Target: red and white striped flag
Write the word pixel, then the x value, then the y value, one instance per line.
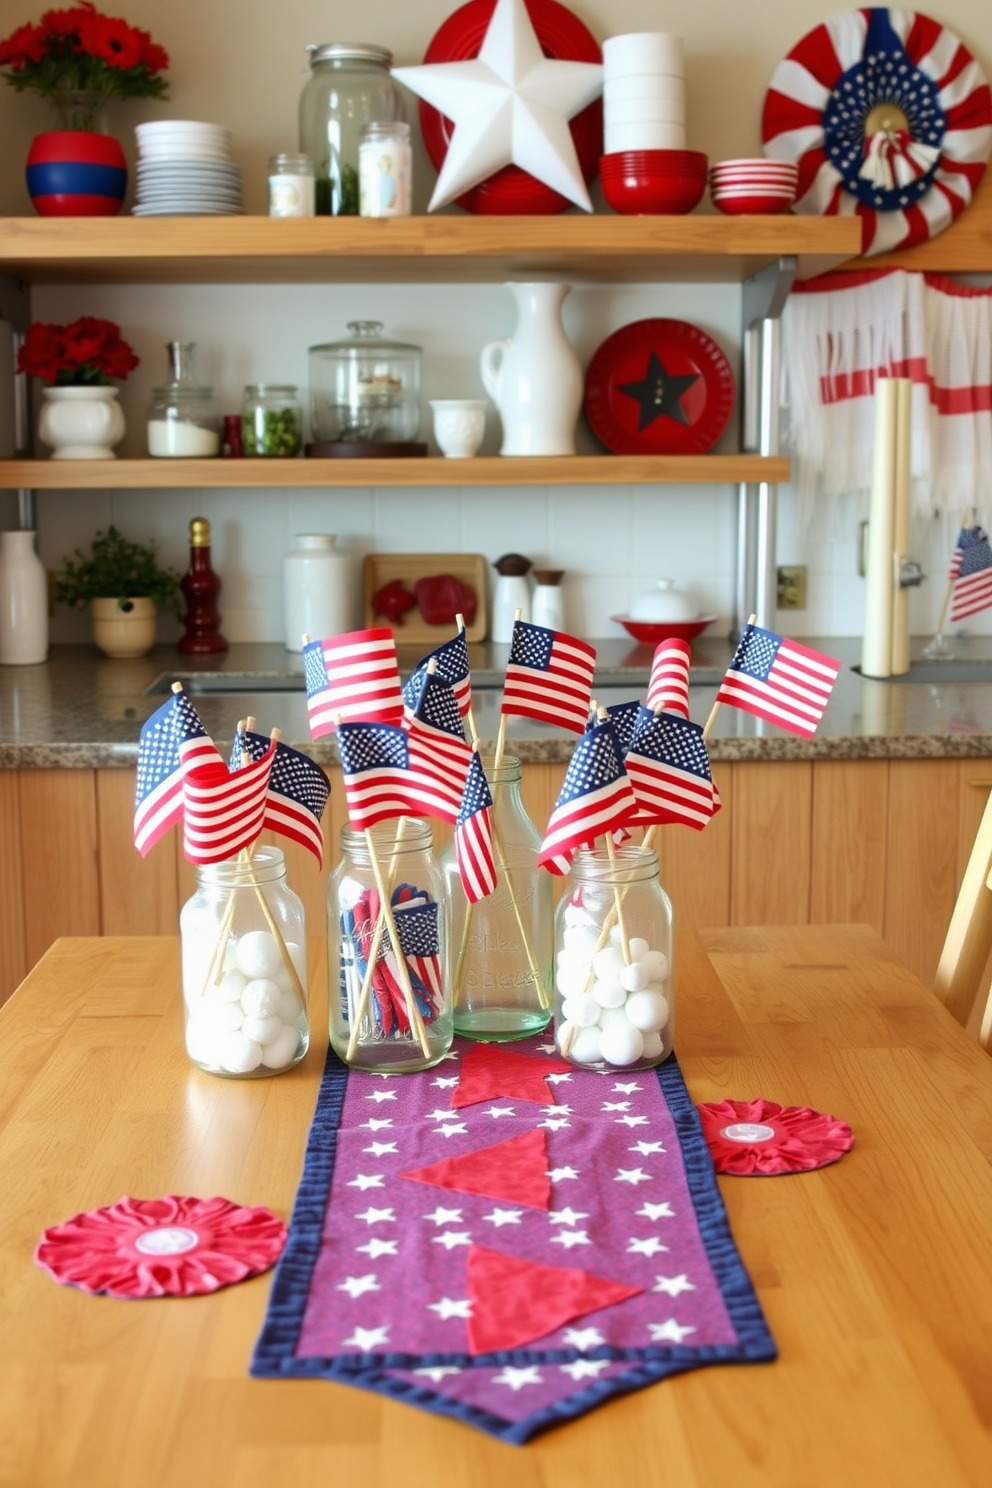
pixel 375 770
pixel 474 836
pixel 549 677
pixel 779 680
pixel 669 768
pixel 451 665
pixel 596 797
pixel 298 790
pixel 668 685
pixel 440 755
pixel 355 675
pixel 971 574
pixel 224 812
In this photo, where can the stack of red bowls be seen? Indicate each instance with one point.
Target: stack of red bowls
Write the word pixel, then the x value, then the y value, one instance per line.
pixel 640 183
pixel 753 187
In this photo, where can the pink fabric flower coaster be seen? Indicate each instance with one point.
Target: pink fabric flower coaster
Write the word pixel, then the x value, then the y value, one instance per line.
pixel 760 1138
pixel 169 1247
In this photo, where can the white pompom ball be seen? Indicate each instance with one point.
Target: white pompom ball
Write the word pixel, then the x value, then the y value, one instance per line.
pixel 612 1015
pixel 585 1046
pixel 607 963
pixel 201 1039
pixel 571 980
pixel 258 954
pixel 638 947
pixel 289 1008
pixel 609 994
pixel 576 914
pixel 621 1044
pixel 564 1031
pixel 634 977
pixel 647 1009
pixel 239 1055
pixel 282 1050
pixel 580 939
pixel 583 1010
pixel 223 1016
pixel 655 964
pixel 262 1030
pixel 653 1044
pixel 261 998
pixel 230 986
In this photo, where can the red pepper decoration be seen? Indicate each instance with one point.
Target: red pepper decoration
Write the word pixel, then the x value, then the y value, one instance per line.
pixel 393 600
pixel 442 597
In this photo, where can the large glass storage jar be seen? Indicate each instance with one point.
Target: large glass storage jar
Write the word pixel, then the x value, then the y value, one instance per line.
pixel 502 945
pixel 245 968
pixel 366 388
pixel 614 990
pixel 349 86
pixel 375 961
pixel 184 422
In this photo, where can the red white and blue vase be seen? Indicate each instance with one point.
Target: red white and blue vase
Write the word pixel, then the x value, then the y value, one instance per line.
pixel 75 173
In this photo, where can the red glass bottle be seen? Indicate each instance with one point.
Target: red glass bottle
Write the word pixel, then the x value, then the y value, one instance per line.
pixel 201 587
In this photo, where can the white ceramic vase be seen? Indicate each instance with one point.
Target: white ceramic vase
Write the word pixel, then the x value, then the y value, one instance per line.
pixel 81 423
pixel 319 590
pixel 535 377
pixel 23 601
pixel 124 633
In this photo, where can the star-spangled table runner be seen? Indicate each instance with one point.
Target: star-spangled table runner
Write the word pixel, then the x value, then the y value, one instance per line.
pixel 507 1240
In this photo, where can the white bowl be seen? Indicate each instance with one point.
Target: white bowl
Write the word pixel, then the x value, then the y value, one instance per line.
pixel 664 602
pixel 645 136
pixel 643 111
pixel 459 425
pixel 643 85
pixel 643 51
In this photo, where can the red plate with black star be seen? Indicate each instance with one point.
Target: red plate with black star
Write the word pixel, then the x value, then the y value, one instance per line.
pixel 659 387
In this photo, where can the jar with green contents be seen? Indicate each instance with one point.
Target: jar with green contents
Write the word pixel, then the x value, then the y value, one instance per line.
pixel 349 86
pixel 272 420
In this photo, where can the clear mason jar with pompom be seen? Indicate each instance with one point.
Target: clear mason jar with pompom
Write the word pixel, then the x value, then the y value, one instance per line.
pixel 614 987
pixel 244 948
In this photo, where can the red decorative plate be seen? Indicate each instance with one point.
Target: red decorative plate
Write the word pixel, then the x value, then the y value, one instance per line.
pixel 659 387
pixel 563 38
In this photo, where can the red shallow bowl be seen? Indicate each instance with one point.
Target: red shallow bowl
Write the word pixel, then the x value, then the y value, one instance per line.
pixel 650 632
pixel 751 206
pixel 654 163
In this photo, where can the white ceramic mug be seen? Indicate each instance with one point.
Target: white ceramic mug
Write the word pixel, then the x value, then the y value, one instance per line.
pixel 459 426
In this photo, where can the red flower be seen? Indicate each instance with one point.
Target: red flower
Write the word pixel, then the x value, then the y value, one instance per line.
pixel 88 351
pixel 86 338
pixel 169 1247
pixel 42 352
pixel 110 39
pixel 153 57
pixel 759 1137
pixel 27 44
pixel 63 25
pixel 117 359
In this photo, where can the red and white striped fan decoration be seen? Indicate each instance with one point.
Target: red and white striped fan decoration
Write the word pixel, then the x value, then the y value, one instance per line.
pixel 888 116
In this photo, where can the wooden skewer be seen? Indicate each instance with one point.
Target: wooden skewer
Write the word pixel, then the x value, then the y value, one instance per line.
pixel 501 736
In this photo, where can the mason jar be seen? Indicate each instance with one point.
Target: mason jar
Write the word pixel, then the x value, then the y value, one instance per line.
pixel 371 973
pixel 349 86
pixel 614 989
pixel 365 388
pixel 271 420
pixel 245 968
pixel 384 170
pixel 502 945
pixel 184 421
pixel 291 186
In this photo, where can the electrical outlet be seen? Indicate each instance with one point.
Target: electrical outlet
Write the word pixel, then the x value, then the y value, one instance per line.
pixel 792 587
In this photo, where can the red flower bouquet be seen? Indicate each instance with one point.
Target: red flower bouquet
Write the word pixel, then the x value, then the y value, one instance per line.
pixel 80 59
pixel 88 353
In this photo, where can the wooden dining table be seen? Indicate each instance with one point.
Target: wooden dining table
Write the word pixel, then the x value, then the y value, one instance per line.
pixel 875 1274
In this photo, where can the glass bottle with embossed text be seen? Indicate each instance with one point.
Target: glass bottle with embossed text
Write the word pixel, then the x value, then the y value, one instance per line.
pixel 502 945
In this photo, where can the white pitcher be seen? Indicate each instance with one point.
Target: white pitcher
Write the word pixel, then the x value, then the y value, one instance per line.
pixel 535 377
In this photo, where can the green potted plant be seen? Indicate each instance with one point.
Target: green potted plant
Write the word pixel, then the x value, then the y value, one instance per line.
pixel 124 584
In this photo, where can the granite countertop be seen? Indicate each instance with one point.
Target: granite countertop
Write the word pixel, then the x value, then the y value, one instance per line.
pixel 82 710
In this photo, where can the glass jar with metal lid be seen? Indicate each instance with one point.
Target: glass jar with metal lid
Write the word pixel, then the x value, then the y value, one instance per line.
pixel 349 86
pixel 365 389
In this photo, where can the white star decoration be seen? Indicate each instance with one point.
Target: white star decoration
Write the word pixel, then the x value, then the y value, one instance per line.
pixel 365 1180
pixel 376 1248
pixel 501 1217
pixel 442 1115
pixel 656 1211
pixel 557 1174
pixel 568 1238
pixel 445 1081
pixel 585 1368
pixel 668 1332
pixel 632 1121
pixel 556 1079
pixel 673 1285
pixel 648 1247
pixel 627 1088
pixel 356 1285
pixel 646 1148
pixel 382 1095
pixel 555 1123
pixel 437 1372
pixel 379 1149
pixel 451 1129
pixel 616 1105
pixel 451 1307
pixel 451 1238
pixel 516 1378
pixel 367 1339
pixel 565 1216
pixel 582 1338
pixel 632 1175
pixel 445 1216
pixel 376 1216
pixel 510 106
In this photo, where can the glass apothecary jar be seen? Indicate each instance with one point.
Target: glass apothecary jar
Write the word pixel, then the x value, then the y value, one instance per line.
pixel 271 420
pixel 614 988
pixel 366 388
pixel 502 945
pixel 349 86
pixel 184 422
pixel 372 1024
pixel 245 968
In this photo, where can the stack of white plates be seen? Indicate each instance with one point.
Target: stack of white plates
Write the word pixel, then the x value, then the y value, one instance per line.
pixel 643 92
pixel 185 170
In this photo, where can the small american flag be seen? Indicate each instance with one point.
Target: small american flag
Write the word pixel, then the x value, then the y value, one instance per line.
pixel 375 760
pixel 972 576
pixel 171 740
pixel 474 836
pixel 549 677
pixel 298 790
pixel 668 686
pixel 669 770
pixel 417 929
pixel 779 680
pixel 439 753
pixel 355 675
pixel 596 797
pixel 224 811
pixel 452 666
pixel 623 717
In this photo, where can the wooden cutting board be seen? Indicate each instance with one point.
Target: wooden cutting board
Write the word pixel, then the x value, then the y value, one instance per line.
pixel 383 568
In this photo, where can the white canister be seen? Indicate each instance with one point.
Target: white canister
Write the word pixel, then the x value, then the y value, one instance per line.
pixel 318 588
pixel 23 601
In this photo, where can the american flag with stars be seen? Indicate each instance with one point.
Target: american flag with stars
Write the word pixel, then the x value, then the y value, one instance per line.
pixel 452 666
pixel 171 740
pixel 623 717
pixel 355 675
pixel 375 759
pixel 668 685
pixel 417 929
pixel 971 573
pixel 669 769
pixel 549 677
pixel 596 797
pixel 474 835
pixel 224 811
pixel 298 790
pixel 779 680
pixel 439 755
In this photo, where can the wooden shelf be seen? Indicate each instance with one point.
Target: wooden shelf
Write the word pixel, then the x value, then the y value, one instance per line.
pixel 490 470
pixel 964 248
pixel 433 249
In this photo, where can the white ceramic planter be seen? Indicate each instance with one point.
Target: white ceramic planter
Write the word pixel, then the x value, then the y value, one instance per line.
pixel 81 423
pixel 124 633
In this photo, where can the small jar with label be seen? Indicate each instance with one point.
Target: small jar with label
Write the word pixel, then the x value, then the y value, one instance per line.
pixel 291 186
pixel 272 420
pixel 384 170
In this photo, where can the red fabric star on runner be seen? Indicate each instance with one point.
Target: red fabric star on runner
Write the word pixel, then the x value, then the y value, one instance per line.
pixel 489 1072
pixel 515 1301
pixel 516 1171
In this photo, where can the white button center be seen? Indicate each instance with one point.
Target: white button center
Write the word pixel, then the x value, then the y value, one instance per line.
pixel 747 1131
pixel 170 1240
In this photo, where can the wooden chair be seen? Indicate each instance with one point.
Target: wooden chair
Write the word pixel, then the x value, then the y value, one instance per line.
pixel 960 980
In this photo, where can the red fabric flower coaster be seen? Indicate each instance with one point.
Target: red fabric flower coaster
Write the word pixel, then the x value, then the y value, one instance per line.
pixel 169 1247
pixel 761 1138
